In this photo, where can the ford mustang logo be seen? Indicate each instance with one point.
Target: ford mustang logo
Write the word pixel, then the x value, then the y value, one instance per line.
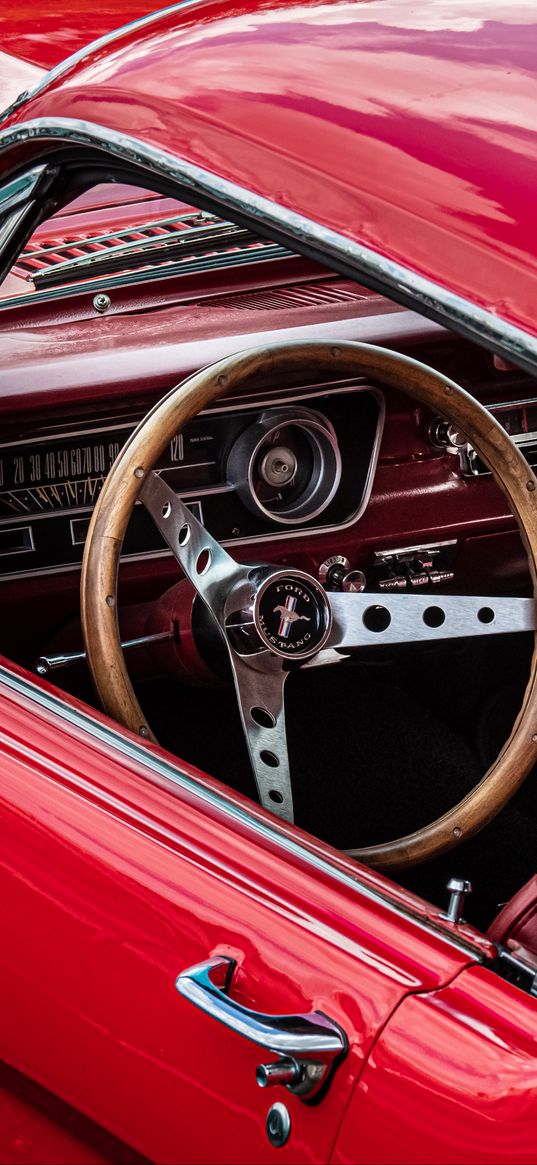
pixel 280 615
pixel 288 615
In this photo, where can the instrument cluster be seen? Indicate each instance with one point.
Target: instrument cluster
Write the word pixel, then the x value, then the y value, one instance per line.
pixel 302 461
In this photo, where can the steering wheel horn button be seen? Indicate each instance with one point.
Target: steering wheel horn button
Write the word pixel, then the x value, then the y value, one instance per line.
pixel 292 615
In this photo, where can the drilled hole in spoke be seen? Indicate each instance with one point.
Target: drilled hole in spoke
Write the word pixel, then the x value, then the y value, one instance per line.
pixel 486 615
pixel 204 561
pixel 184 534
pixel 263 717
pixel 166 510
pixel 276 796
pixel 434 616
pixel 269 759
pixel 376 619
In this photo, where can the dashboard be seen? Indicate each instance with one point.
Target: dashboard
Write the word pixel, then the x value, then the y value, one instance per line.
pixel 318 474
pixel 301 461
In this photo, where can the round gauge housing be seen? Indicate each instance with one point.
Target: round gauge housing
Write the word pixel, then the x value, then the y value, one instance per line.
pixel 286 467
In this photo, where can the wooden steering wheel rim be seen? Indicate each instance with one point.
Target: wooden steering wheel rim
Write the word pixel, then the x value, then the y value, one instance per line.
pixel 126 478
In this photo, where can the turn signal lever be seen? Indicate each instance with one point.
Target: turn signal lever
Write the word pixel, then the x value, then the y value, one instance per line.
pixel 47 663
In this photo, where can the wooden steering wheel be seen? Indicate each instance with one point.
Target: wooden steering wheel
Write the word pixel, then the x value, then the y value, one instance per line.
pixel 247 602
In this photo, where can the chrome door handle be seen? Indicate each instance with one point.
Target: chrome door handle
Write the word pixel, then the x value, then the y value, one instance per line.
pixel 310 1046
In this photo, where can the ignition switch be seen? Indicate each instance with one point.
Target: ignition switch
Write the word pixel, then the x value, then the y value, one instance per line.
pixel 335 574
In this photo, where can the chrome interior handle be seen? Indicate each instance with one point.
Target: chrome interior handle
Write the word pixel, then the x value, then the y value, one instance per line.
pixel 315 1043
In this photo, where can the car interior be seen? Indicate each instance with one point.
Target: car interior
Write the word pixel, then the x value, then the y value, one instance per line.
pixel 114 300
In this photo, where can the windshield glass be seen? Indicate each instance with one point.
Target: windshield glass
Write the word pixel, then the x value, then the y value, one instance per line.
pixel 122 232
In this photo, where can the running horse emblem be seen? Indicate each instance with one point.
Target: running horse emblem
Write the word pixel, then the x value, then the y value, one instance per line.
pixel 288 615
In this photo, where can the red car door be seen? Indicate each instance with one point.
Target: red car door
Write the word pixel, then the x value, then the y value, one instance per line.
pixel 120 871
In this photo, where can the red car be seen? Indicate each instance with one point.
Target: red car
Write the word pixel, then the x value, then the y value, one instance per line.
pixel 317 219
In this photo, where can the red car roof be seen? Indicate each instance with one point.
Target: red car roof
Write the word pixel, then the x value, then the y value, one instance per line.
pixel 408 128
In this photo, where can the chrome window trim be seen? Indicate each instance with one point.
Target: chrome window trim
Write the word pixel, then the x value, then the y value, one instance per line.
pixel 18 190
pixel 321 243
pixel 172 777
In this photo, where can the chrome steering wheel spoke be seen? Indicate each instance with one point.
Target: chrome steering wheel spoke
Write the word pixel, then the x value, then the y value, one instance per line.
pixel 259 683
pixel 210 569
pixel 259 677
pixel 257 611
pixel 375 620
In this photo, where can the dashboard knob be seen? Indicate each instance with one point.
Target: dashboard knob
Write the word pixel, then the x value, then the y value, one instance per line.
pixel 354 581
pixel 333 571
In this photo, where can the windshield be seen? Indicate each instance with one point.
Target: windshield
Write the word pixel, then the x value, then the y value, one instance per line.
pixel 122 233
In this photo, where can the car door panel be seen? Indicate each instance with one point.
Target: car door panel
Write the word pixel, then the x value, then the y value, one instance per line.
pixel 112 885
pixel 453 1078
pixel 35 1126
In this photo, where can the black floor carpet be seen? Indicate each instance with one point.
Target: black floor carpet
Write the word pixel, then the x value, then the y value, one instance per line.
pixel 370 761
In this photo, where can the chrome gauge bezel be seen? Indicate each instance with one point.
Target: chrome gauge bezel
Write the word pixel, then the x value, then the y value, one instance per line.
pixel 325 476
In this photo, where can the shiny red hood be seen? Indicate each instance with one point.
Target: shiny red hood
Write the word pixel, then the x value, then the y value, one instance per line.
pixel 34 38
pixel 43 36
pixel 407 128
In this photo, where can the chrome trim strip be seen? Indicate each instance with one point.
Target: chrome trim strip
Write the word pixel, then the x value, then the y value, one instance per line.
pixel 19 189
pixel 172 776
pixel 271 219
pixel 9 224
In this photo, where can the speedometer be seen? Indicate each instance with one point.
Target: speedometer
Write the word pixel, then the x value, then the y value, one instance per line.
pixel 67 473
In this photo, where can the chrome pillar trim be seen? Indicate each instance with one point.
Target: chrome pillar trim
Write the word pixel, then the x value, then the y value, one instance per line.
pixel 167 773
pixel 18 190
pixel 228 591
pixel 327 246
pixel 374 620
pixel 11 222
pixel 313 1042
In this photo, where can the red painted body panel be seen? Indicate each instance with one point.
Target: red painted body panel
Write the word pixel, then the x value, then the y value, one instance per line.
pixel 408 130
pixel 15 76
pixel 36 1127
pixel 453 1078
pixel 121 885
pixel 45 35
